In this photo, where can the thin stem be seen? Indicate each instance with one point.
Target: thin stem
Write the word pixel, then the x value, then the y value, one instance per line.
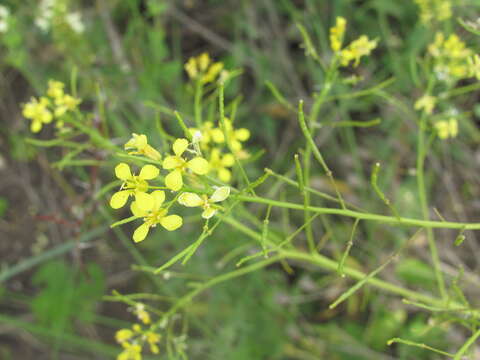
pixel 422 194
pixel 331 265
pixel 317 154
pixel 306 213
pixel 216 280
pixel 403 221
pixel 221 104
pixel 198 103
pixel 468 343
pixel 379 192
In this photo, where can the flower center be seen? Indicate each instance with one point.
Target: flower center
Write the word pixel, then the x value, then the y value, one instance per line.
pixel 135 183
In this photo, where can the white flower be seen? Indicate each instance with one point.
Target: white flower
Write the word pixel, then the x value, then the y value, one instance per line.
pixel 4 14
pixel 45 14
pixel 74 19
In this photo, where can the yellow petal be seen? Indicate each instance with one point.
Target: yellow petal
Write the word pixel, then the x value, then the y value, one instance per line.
pixel 208 213
pixel 228 160
pixel 149 172
pixel 235 145
pixel 190 199
pixel 224 175
pixel 36 126
pixel 203 61
pixel 217 135
pixel 172 162
pixel 47 117
pixel 144 201
pixel 453 125
pixel 171 222
pixel 199 166
pixel 141 232
pixel 119 199
pixel 220 194
pixel 242 134
pixel 174 180
pixel 179 146
pixel 152 153
pixel 137 211
pixel 159 196
pixel 122 171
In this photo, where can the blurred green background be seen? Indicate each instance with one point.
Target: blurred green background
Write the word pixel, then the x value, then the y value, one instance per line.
pixel 59 258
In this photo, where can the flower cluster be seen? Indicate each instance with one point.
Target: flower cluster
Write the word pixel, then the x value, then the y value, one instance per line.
pixel 353 52
pixel 54 11
pixel 447 128
pixel 438 10
pixel 212 141
pixel 53 106
pixel 135 339
pixel 337 33
pixel 452 59
pixel 202 68
pixel 426 103
pixel 185 163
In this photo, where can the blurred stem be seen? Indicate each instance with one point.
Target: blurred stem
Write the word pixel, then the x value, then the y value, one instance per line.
pixel 422 194
pixel 198 103
pixel 466 345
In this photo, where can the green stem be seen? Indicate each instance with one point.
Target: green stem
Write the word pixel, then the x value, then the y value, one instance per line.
pixel 221 105
pixel 216 280
pixel 331 265
pixel 312 147
pixel 422 194
pixel 468 343
pixel 403 221
pixel 198 103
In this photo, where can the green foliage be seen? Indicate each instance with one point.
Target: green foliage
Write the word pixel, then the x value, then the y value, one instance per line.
pixel 66 295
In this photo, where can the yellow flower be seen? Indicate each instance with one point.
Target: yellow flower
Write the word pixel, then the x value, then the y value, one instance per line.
pixel 38 112
pixel 55 89
pixel 203 68
pixel 337 33
pixel 194 200
pixel 157 215
pixel 451 57
pixel 203 60
pixel 65 103
pixel 434 10
pixel 426 103
pixel 179 165
pixel 235 136
pixel 191 68
pixel 447 128
pixel 153 339
pixel 202 135
pixel 141 313
pixel 130 352
pixel 123 335
pixel 133 185
pixel 220 163
pixel 213 72
pixel 141 146
pixel 356 49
